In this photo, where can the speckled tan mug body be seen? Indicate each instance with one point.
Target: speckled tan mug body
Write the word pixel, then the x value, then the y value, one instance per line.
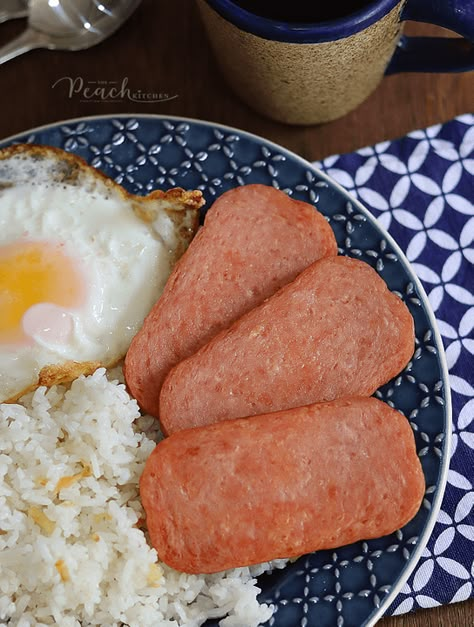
pixel 303 83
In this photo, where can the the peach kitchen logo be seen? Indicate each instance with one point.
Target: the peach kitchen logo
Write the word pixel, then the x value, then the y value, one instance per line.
pixel 108 91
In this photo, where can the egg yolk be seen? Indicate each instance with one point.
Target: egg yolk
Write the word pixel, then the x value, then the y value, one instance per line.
pixel 33 273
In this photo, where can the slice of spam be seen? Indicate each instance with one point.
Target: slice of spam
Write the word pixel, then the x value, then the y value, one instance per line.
pixel 250 490
pixel 255 239
pixel 335 331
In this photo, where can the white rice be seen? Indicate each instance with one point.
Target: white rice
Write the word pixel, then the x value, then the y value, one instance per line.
pixel 76 556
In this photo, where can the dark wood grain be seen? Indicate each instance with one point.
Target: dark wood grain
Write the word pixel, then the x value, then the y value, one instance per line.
pixel 163 49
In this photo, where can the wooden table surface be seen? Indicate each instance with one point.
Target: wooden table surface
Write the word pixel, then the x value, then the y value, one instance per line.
pixel 163 49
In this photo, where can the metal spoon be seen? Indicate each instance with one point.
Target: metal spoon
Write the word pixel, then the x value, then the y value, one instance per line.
pixel 11 9
pixel 68 25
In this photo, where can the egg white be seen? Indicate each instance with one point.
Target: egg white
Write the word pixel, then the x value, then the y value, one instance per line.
pixel 124 260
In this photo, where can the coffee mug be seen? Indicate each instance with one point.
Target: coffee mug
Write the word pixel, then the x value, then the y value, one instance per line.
pixel 310 62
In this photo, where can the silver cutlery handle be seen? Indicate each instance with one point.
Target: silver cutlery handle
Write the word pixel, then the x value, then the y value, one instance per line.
pixel 12 9
pixel 28 40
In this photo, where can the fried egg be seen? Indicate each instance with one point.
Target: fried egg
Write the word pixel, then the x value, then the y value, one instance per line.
pixel 81 264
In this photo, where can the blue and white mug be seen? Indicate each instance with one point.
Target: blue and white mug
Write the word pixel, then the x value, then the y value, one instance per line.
pixel 312 72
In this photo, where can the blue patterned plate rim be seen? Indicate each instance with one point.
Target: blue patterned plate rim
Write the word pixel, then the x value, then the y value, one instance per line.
pixel 423 538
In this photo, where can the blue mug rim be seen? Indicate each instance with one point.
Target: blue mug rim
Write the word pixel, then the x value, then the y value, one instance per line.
pixel 298 32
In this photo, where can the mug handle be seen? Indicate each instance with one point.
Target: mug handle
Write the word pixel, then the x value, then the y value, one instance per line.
pixel 437 54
